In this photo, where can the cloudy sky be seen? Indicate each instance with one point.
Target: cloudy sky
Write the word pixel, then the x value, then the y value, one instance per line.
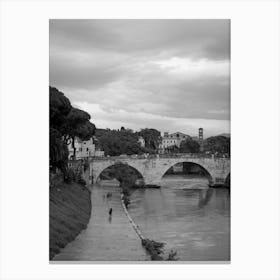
pixel 172 75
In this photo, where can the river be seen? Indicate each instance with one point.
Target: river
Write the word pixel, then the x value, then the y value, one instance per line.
pixel 189 217
pixel 184 213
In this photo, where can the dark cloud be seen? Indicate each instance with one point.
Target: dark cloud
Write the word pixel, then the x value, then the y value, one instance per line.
pixel 199 99
pixel 197 38
pixel 175 69
pixel 70 73
pixel 81 34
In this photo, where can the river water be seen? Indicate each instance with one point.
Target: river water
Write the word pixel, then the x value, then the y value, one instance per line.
pixel 187 216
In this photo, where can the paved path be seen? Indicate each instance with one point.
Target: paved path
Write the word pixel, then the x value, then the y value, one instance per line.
pixel 105 239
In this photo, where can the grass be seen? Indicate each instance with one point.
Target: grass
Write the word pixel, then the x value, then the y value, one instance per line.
pixel 69 213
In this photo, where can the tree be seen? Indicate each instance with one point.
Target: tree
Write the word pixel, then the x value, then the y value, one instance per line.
pixel 151 137
pixel 189 146
pixel 125 174
pixel 115 143
pixel 58 151
pixel 60 107
pixel 217 144
pixel 77 124
pixel 66 123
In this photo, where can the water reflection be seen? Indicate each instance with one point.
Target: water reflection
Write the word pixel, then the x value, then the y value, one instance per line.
pixel 110 219
pixel 195 222
pixel 204 197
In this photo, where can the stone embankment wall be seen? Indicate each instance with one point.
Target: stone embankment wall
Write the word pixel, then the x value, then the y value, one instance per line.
pixel 79 168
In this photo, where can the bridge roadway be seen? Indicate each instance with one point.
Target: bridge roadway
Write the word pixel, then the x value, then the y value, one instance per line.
pixel 152 168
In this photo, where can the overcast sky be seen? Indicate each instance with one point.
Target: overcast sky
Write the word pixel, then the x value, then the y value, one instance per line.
pixel 172 75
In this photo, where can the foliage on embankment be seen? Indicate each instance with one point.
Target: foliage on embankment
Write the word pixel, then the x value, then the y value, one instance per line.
pixel 69 209
pixel 154 248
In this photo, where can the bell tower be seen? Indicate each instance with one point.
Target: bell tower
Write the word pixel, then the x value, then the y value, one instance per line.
pixel 200 138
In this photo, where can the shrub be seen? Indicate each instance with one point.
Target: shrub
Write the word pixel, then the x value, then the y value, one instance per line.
pixel 154 248
pixel 125 191
pixel 172 256
pixel 126 200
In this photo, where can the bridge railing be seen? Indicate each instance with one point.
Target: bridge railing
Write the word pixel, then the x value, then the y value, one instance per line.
pixel 184 155
pixel 151 156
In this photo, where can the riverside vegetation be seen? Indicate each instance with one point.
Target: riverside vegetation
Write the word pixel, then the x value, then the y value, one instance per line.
pixel 69 213
pixel 69 208
pixel 69 198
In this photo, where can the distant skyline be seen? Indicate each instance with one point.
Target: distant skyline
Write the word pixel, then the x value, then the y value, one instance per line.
pixel 171 75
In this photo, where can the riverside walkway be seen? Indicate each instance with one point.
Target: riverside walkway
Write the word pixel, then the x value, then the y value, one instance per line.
pixel 105 238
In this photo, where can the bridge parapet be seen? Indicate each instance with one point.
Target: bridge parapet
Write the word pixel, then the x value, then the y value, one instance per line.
pixel 154 156
pixel 152 169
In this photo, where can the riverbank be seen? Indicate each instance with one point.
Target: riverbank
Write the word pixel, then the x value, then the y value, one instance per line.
pixel 107 237
pixel 69 213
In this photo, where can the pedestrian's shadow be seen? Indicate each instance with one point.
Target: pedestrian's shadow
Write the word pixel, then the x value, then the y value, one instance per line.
pixel 110 219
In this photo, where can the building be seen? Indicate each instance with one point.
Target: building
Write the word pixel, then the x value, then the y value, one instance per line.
pixel 141 141
pixel 173 139
pixel 99 153
pixel 84 149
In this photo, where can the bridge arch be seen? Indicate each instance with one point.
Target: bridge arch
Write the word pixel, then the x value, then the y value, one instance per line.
pixel 209 176
pixel 97 173
pixel 152 169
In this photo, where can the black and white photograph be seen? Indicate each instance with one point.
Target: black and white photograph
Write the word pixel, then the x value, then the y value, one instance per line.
pixel 139 140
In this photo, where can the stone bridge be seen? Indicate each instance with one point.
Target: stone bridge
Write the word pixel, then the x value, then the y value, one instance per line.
pixel 153 169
